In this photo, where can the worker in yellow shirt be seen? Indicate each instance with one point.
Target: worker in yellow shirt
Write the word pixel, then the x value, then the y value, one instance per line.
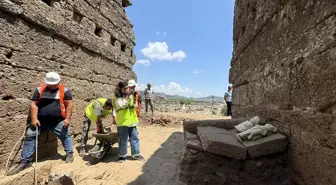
pixel 96 111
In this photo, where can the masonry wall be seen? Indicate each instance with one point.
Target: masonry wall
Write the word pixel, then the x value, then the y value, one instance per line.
pixel 284 69
pixel 88 42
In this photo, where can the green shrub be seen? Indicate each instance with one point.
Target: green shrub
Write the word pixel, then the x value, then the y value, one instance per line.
pixel 223 110
pixel 186 101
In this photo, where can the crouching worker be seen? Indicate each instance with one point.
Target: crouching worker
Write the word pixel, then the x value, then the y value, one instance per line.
pixel 96 111
pixel 50 109
pixel 127 121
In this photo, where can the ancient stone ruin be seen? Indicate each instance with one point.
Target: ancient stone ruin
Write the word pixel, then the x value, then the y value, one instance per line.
pixel 89 42
pixel 283 69
pixel 214 155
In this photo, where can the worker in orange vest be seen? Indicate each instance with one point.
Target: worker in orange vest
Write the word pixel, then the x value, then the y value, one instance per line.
pixel 50 109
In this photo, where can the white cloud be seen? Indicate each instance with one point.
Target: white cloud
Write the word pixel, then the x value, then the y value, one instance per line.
pixel 140 87
pixel 172 88
pixel 199 71
pixel 158 33
pixel 159 51
pixel 146 63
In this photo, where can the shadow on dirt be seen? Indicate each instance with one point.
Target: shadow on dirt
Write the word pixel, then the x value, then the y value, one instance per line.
pixel 162 168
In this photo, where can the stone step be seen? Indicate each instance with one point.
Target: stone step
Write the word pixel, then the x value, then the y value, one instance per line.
pixel 271 144
pixel 221 142
pixel 192 141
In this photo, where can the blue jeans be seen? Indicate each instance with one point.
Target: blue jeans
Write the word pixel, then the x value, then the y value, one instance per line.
pixel 123 134
pixel 29 144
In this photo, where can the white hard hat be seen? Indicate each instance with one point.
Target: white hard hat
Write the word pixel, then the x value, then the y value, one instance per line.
pixel 52 78
pixel 230 85
pixel 131 83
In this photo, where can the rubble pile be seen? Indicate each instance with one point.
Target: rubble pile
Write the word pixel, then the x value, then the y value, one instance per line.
pixel 162 120
pixel 201 108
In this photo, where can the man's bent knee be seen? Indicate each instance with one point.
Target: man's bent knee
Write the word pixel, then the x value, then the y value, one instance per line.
pixel 30 132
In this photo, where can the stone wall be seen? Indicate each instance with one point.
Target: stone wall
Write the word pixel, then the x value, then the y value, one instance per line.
pixel 88 42
pixel 283 69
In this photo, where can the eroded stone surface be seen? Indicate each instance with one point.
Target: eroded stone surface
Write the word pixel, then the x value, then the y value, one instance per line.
pixel 271 144
pixel 192 141
pixel 221 142
pixel 74 38
pixel 191 125
pixel 283 69
pixel 204 168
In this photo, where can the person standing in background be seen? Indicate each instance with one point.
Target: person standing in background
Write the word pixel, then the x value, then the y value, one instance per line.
pixel 228 100
pixel 148 98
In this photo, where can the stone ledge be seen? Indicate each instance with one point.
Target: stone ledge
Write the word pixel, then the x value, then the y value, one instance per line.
pixel 271 144
pixel 221 142
pixel 191 125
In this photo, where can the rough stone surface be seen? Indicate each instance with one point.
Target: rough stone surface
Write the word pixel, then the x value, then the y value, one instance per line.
pixel 221 142
pixel 204 168
pixel 192 141
pixel 81 40
pixel 283 70
pixel 271 144
pixel 191 125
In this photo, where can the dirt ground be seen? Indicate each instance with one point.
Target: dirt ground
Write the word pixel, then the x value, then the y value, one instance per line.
pixel 162 146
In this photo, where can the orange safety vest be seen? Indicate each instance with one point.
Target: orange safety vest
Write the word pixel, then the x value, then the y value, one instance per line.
pixel 61 97
pixel 138 109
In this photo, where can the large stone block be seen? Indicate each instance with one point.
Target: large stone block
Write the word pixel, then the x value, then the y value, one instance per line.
pixel 22 37
pixel 115 13
pixel 13 107
pixel 59 21
pixel 221 142
pixel 191 125
pixel 192 141
pixel 15 83
pixel 11 132
pixel 271 144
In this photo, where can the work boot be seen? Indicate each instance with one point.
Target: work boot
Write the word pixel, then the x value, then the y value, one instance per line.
pixel 82 152
pixel 18 168
pixel 69 158
pixel 139 158
pixel 121 159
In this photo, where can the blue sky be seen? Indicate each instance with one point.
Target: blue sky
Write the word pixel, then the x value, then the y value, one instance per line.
pixel 183 47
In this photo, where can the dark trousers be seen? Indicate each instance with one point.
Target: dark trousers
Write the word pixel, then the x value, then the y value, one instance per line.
pixel 149 101
pixel 85 133
pixel 229 108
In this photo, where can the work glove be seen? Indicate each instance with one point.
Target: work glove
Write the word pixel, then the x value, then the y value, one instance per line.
pixel 100 128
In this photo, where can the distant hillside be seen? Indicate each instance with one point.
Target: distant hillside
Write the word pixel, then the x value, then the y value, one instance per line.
pixel 209 98
pixel 174 97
